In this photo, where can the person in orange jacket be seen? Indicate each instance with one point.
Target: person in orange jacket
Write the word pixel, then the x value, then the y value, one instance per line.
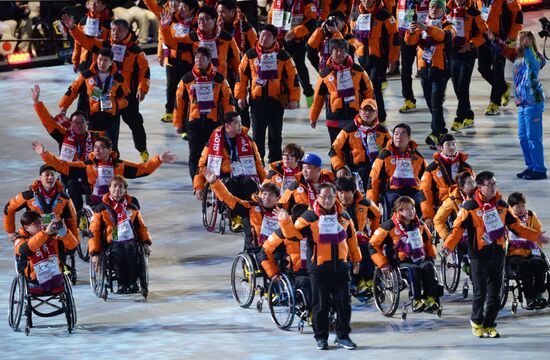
pixel 398 169
pixel 341 86
pixel 376 30
pixel 236 24
pixel 268 76
pixel 45 196
pixel 440 176
pixel 283 173
pixel 434 41
pixel 117 221
pixel 366 219
pixel 106 91
pixel 331 241
pixel 39 248
pixel 406 236
pixel 131 63
pixel 504 19
pixel 524 256
pixel 469 27
pixel 359 143
pixel 484 220
pixel 202 99
pixel 101 165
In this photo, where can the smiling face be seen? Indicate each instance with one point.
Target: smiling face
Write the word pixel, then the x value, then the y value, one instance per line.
pixel 488 188
pixel 47 178
pixel 326 198
pixel 78 124
pixel 118 33
pixel 268 199
pixel 117 190
pixel 206 23
pixel 311 172
pixel 266 39
pixel 407 213
pixel 101 151
pixel 227 15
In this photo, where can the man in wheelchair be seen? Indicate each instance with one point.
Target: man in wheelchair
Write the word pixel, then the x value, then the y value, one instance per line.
pixel 117 226
pixel 38 248
pixel 410 240
pixel 524 256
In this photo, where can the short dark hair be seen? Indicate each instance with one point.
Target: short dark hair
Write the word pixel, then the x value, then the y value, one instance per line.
pixel 204 51
pixel 107 52
pixel 272 188
pixel 121 22
pixel 79 113
pixel 483 176
pixel 210 11
pixel 338 44
pixel 297 211
pixel 403 126
pixel 327 185
pixel 445 138
pixel 230 116
pixel 29 217
pixel 516 198
pixel 104 139
pixel 271 28
pixel 346 183
pixel 295 150
pixel 230 4
pixel 462 177
pixel 193 4
pixel 337 14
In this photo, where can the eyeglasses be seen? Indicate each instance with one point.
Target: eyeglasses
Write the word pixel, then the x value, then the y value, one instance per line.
pixel 203 19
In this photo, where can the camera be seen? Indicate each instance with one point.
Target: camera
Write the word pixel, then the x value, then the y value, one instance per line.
pixel 58 225
pixel 545 27
pixel 331 21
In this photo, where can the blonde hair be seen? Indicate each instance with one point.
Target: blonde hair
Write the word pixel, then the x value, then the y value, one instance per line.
pixel 531 36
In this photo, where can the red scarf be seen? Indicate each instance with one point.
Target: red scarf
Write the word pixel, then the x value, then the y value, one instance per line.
pixel 203 37
pixel 364 132
pixel 318 209
pixel 204 79
pixel 266 74
pixel 458 13
pixel 403 245
pixel 48 196
pixel 82 144
pixel 291 172
pixel 216 144
pixel 483 205
pixel 312 193
pixel 348 63
pixel 119 207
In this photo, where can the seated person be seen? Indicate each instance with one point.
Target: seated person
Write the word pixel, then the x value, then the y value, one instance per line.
pixel 122 237
pixel 39 248
pixel 524 256
pixel 283 172
pixel 413 249
pixel 366 219
pixel 296 251
pixel 258 211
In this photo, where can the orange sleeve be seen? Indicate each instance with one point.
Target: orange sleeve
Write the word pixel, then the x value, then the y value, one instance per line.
pixel 535 222
pixel 269 247
pixel 241 86
pixel 153 6
pixel 337 159
pixel 87 42
pixel 456 235
pixel 94 243
pixel 478 39
pixel 302 30
pixel 436 33
pixel 70 242
pixel 292 231
pixel 224 195
pixel 182 102
pixel 373 193
pixel 143 73
pixel 143 232
pixel 13 205
pixel 75 58
pixel 47 120
pixel 376 242
pixel 168 38
pixel 71 221
pixel 428 245
pixel 316 39
pixel 63 167
pixel 134 170
pixel 515 9
pixel 412 39
pixel 440 218
pixel 291 81
pixel 121 100
pixel 318 101
pixel 260 170
pixel 199 180
pixel 37 241
pixel 72 93
pixel 427 206
pixel 391 27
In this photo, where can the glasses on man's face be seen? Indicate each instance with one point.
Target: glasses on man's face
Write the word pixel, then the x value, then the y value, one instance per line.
pixel 203 19
pixel 289 156
pixel 491 185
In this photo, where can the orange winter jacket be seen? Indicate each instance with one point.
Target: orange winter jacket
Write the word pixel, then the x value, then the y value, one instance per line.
pixel 320 39
pixel 384 167
pixel 104 221
pixel 516 248
pixel 448 209
pixel 386 239
pixel 244 34
pixel 437 179
pixel 504 17
pixel 183 54
pixel 324 257
pixel 88 80
pixel 297 193
pixel 61 206
pixel 82 57
pixel 134 67
pixel 296 251
pixel 363 212
pixel 474 26
pixel 276 174
pixel 303 19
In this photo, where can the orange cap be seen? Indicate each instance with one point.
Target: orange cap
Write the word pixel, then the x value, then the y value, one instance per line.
pixel 369 102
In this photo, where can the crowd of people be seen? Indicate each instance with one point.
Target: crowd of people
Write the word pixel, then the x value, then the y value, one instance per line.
pixel 380 203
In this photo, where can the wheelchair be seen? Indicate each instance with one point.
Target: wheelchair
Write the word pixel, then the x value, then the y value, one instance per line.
pixel 26 298
pixel 212 207
pixel 84 218
pixel 388 286
pixel 451 267
pixel 286 302
pixel 102 280
pixel 248 279
pixel 512 283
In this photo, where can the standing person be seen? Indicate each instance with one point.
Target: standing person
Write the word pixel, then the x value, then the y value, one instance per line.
pixel 341 86
pixel 234 21
pixel 295 22
pixel 530 101
pixel 331 240
pixel 485 220
pixel 132 64
pixel 250 9
pixel 434 40
pixel 202 98
pixel 268 75
pixel 376 29
pixel 504 19
pixel 469 27
pixel 106 90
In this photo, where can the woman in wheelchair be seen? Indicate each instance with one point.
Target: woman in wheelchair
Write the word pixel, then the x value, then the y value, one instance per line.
pixel 117 224
pixel 524 256
pixel 283 172
pixel 38 248
pixel 410 240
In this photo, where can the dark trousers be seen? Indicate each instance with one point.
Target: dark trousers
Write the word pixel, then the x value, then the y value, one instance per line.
pixel 313 57
pixel 303 282
pixel 333 133
pixel 199 131
pixel 173 77
pixel 531 271
pixel 434 92
pixel 491 67
pixel 75 188
pixel 376 68
pixel 487 276
pixel 366 266
pixel 250 9
pixel 330 289
pixel 462 67
pixel 126 262
pixel 422 277
pixel 297 49
pixel 83 102
pixel 408 54
pixel 132 117
pixel 268 115
pixel 102 121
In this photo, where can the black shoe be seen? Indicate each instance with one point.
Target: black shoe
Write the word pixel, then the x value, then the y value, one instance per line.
pixel 541 303
pixel 133 288
pixel 535 175
pixel 122 289
pixel 345 343
pixel 432 141
pixel 531 304
pixel 322 344
pixel 523 173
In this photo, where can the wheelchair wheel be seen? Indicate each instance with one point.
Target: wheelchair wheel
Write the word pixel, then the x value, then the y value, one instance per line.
pixel 280 299
pixel 84 218
pixel 386 291
pixel 243 279
pixel 450 271
pixel 69 304
pixel 504 290
pixel 97 278
pixel 144 276
pixel 209 208
pixel 17 301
